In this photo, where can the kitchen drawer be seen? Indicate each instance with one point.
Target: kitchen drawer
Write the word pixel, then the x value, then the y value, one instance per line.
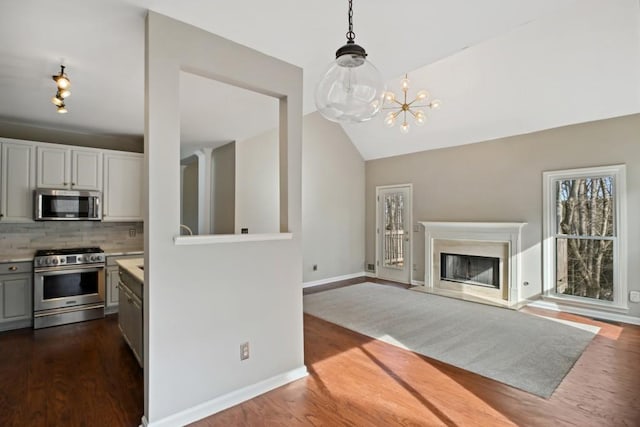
pixel 131 282
pixel 16 267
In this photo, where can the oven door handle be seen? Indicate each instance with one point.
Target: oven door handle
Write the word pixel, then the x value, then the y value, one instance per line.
pixel 65 270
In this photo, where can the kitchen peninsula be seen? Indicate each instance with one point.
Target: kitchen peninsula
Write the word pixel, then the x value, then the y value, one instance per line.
pixel 130 286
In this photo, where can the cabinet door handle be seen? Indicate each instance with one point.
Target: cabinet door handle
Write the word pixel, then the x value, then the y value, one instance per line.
pixel 13 268
pixel 73 183
pixel 65 183
pixel 1 215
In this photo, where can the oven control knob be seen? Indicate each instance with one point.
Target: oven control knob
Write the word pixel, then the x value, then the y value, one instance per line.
pixel 48 261
pixel 92 258
pixel 55 261
pixel 79 259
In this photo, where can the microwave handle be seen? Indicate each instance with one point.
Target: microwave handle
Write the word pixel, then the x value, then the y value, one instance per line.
pixel 97 206
pixel 38 207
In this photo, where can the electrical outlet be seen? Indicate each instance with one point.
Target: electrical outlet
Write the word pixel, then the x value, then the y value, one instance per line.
pixel 634 296
pixel 244 351
pixel 132 232
pixel 315 267
pixel 415 267
pixel 371 267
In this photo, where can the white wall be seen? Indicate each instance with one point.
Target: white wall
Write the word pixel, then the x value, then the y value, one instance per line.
pixel 201 301
pixel 257 206
pixel 332 201
pixel 501 180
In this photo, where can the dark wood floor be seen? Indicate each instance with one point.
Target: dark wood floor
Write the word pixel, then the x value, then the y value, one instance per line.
pixel 81 374
pixel 84 375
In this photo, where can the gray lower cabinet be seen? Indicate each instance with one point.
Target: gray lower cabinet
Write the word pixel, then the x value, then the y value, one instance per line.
pixel 16 304
pixel 130 313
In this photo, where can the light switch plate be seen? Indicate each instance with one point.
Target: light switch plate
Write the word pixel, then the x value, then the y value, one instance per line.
pixel 634 296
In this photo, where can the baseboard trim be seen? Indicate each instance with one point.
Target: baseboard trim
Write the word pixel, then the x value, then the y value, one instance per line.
pixel 615 317
pixel 218 404
pixel 417 282
pixel 332 279
pixel 16 324
pixel 111 310
pixel 370 274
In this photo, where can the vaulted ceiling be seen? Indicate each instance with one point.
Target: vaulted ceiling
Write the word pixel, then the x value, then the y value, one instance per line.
pixel 501 67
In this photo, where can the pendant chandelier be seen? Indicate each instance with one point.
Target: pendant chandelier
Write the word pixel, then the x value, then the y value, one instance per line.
pixel 413 108
pixel 352 88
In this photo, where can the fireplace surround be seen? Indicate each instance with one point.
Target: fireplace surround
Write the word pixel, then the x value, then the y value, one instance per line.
pixel 485 257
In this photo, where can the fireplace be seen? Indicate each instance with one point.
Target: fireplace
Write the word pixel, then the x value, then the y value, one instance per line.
pixel 470 269
pixel 478 261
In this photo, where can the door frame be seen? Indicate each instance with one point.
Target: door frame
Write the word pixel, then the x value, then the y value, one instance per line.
pixel 409 186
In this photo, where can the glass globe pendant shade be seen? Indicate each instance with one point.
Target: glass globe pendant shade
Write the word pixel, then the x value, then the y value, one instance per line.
pixel 404 127
pixel 389 97
pixel 390 120
pixel 352 89
pixel 422 95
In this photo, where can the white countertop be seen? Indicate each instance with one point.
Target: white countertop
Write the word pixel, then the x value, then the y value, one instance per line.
pixel 132 265
pixel 17 256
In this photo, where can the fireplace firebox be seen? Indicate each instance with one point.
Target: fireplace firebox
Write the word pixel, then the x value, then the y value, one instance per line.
pixel 470 269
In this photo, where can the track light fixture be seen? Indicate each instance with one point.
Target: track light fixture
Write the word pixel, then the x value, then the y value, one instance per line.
pixel 63 84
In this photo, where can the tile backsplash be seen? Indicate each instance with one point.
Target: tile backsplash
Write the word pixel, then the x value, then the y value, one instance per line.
pixel 28 237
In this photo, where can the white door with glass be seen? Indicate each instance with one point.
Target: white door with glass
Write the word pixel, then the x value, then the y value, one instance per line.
pixel 393 226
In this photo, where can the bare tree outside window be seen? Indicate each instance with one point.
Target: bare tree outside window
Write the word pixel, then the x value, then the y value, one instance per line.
pixel 584 237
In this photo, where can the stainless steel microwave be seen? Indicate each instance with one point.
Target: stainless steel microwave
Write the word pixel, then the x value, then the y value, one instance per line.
pixel 67 205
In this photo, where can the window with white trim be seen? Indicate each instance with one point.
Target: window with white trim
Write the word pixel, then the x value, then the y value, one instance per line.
pixel 584 221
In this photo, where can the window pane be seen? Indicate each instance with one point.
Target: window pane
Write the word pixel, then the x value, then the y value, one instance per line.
pixel 584 268
pixel 393 230
pixel 584 206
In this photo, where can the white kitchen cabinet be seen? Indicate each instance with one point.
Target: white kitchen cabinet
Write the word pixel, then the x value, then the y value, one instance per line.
pixel 130 313
pixel 68 168
pixel 17 181
pixel 112 278
pixel 123 181
pixel 16 283
pixel 112 297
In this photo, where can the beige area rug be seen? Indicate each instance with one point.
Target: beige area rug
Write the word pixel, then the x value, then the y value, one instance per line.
pixel 528 352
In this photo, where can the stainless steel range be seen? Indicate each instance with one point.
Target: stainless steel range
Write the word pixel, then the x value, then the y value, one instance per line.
pixel 68 286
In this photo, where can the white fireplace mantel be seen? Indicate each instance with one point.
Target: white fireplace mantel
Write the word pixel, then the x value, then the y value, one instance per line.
pixel 502 232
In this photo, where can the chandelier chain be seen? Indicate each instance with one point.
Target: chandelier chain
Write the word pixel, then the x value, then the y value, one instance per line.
pixel 350 34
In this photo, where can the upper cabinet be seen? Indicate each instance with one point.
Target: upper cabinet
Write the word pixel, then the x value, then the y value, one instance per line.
pixel 123 182
pixel 69 168
pixel 17 179
pixel 27 165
